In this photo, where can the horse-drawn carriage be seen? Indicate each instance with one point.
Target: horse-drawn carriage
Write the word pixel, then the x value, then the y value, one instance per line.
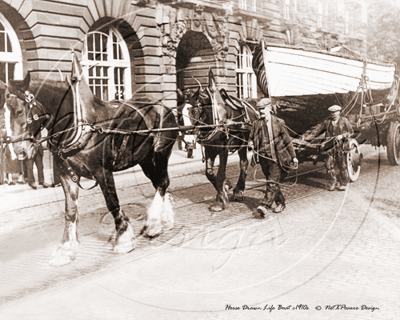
pixel 92 138
pixel 303 83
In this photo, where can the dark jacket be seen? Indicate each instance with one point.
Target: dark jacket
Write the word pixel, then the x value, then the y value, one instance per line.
pixel 326 127
pixel 283 143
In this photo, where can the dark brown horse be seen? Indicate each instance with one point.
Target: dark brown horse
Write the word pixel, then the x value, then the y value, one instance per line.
pixel 229 121
pixel 91 138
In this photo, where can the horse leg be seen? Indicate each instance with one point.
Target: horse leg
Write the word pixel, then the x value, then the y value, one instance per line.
pixel 125 238
pixel 66 251
pixel 220 183
pixel 210 155
pixel 160 215
pixel 239 188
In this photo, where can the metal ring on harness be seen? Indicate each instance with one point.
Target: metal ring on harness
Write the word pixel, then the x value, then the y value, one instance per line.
pixel 29 97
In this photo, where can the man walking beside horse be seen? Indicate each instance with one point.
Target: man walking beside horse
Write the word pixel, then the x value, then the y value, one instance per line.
pixel 274 151
pixel 336 129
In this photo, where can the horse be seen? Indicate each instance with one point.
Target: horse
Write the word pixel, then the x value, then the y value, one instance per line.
pixel 187 137
pixel 92 138
pixel 224 124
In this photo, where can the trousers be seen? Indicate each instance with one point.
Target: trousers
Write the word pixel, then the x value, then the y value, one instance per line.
pixel 340 160
pixel 38 160
pixel 272 172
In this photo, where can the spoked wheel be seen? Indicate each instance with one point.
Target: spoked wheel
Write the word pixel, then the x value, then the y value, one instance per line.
pixel 393 146
pixel 354 157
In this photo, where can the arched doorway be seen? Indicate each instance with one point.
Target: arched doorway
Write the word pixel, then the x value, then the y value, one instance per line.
pixel 194 57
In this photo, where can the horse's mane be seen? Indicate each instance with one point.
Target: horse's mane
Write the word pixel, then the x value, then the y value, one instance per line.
pixel 49 83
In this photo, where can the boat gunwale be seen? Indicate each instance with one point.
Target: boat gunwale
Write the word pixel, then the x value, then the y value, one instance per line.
pixel 333 54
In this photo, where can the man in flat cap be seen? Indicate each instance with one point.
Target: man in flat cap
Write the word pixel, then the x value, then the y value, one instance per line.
pixel 336 128
pixel 274 151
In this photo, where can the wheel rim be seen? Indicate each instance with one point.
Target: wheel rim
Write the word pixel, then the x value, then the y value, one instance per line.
pixel 396 143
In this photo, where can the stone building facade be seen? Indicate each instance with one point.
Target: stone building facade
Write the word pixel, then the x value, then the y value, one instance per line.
pixel 148 47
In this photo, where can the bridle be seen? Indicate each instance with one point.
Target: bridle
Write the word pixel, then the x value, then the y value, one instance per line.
pixel 33 116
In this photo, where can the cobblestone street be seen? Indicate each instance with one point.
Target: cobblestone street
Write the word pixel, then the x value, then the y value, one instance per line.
pixel 326 249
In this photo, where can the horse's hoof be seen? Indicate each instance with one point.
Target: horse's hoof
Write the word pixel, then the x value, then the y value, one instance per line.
pixel 125 247
pixel 216 208
pixel 237 196
pixel 153 231
pixel 126 241
pixel 62 256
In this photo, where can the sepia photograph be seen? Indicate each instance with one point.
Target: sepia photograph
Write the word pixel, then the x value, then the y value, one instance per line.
pixel 199 159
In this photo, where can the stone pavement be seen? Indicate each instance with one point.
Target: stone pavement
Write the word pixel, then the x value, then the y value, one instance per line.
pixel 326 249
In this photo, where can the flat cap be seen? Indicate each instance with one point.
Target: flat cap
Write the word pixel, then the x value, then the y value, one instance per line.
pixel 263 102
pixel 334 108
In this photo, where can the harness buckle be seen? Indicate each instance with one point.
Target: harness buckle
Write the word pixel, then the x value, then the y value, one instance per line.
pixel 29 97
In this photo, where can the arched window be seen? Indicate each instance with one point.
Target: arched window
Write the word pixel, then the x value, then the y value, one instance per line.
pixel 246 81
pixel 10 52
pixel 107 65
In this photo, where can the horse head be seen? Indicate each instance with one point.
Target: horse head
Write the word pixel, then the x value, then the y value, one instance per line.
pixel 194 108
pixel 60 107
pixel 209 104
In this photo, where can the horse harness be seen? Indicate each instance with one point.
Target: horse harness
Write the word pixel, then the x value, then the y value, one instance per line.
pixel 226 123
pixel 85 134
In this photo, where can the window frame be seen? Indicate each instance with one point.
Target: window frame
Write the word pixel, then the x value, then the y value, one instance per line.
pixel 320 13
pixel 110 63
pixel 249 5
pixel 244 70
pixel 15 55
pixel 286 9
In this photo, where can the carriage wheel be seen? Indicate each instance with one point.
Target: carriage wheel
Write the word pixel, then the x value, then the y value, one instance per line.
pixel 354 160
pixel 393 146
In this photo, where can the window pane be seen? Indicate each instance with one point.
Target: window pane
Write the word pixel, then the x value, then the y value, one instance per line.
pixel 104 46
pixel 90 42
pixel 121 75
pixel 2 42
pixel 121 57
pixel 115 51
pixel 90 56
pixel 11 67
pixel 97 92
pixel 97 42
pixel 1 27
pixel 9 48
pixel 3 71
pixel 105 93
pixel 116 76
